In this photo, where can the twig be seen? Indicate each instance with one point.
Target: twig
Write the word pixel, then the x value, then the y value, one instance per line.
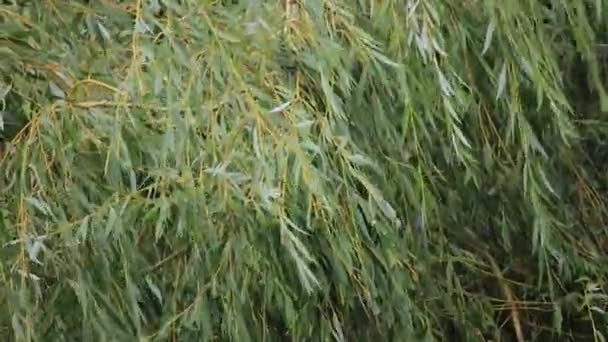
pixel 510 298
pixel 165 260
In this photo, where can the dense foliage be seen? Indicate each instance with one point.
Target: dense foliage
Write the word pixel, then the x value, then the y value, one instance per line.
pixel 316 170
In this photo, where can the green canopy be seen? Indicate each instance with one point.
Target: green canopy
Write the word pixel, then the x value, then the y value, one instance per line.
pixel 306 170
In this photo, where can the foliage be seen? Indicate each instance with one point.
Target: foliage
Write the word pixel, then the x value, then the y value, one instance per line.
pixel 303 170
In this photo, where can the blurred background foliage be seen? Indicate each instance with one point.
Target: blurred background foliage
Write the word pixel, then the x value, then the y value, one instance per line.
pixel 413 170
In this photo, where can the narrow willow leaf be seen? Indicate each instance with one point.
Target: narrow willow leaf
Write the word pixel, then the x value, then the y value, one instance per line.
pixel 42 206
pixel 502 81
pixel 28 275
pixel 546 182
pixel 56 91
pixel 110 222
pixel 384 205
pixel 142 27
pixel 383 59
pixel 446 87
pixel 104 32
pixel 279 108
pixel 163 215
pixel 337 329
pixel 34 248
pixel 362 160
pixel 155 290
pixel 489 35
pixel 17 327
pixel 461 137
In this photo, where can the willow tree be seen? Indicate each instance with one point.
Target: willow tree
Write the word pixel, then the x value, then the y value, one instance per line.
pixel 303 170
